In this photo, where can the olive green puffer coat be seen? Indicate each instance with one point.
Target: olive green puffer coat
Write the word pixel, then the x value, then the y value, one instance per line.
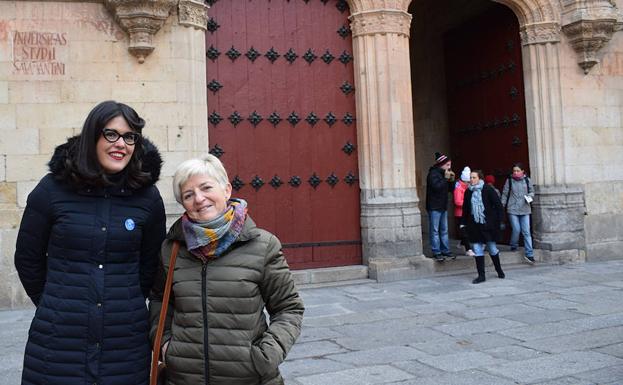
pixel 215 324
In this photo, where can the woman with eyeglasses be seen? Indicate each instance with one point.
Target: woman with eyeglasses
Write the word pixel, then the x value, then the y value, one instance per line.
pixel 87 252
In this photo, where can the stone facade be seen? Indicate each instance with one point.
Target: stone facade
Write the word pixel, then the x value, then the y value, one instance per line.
pixel 58 59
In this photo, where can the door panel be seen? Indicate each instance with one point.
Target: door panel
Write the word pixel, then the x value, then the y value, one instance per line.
pixel 318 223
pixel 485 94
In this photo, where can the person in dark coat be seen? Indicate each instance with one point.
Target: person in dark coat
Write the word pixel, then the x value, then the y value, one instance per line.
pixel 228 275
pixel 87 254
pixel 439 182
pixel 482 215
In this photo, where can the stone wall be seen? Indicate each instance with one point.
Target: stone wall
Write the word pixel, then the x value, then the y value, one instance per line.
pixel 593 124
pixel 57 61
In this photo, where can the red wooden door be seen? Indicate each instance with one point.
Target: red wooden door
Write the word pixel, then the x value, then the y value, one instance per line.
pixel 485 94
pixel 281 111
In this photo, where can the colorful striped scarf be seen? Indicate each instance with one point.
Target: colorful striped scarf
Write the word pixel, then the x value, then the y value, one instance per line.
pixel 210 239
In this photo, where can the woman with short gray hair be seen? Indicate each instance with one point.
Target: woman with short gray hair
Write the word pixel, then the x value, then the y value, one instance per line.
pixel 226 273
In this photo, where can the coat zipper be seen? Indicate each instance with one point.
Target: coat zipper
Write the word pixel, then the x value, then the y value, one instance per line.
pixel 204 305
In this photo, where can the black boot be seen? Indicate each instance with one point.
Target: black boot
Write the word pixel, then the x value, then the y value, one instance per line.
pixel 480 266
pixel 498 266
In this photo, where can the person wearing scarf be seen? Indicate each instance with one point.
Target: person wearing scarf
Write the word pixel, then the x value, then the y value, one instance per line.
pixel 482 217
pixel 228 272
pixel 517 195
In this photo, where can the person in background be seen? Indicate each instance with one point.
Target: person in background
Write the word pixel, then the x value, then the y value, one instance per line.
pixel 490 180
pixel 87 254
pixel 228 276
pixel 459 194
pixel 517 195
pixel 482 216
pixel 439 182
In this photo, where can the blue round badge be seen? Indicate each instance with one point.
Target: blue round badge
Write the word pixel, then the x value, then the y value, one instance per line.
pixel 129 224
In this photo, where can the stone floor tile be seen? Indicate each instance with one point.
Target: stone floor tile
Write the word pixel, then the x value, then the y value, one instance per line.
pixel 379 374
pixel 469 377
pixel 386 355
pixel 554 366
pixel 314 349
pixel 478 326
pixel 313 365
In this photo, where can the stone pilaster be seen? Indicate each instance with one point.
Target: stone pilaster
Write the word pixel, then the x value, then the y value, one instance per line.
pixel 558 209
pixel 541 64
pixel 390 218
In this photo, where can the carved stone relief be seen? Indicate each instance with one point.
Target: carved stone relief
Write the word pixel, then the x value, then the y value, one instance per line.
pixel 193 13
pixel 540 33
pixel 141 19
pixel 381 21
pixel 589 25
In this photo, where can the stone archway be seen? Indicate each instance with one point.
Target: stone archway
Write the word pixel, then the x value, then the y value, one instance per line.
pixel 391 226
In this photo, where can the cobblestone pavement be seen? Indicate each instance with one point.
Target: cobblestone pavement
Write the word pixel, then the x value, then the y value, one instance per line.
pixel 545 325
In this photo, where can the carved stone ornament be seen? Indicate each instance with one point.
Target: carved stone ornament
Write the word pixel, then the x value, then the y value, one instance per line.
pixel 193 13
pixel 141 19
pixel 381 21
pixel 587 37
pixel 540 33
pixel 589 25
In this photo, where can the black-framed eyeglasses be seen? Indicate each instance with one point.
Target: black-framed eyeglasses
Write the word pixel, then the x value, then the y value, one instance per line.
pixel 130 138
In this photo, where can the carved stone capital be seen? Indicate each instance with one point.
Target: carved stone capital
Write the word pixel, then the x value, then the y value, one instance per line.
pixel 141 19
pixel 540 33
pixel 589 25
pixel 193 13
pixel 587 37
pixel 380 21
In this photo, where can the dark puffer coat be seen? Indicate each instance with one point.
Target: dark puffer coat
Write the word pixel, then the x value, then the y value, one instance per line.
pixel 494 215
pixel 215 323
pixel 437 189
pixel 87 258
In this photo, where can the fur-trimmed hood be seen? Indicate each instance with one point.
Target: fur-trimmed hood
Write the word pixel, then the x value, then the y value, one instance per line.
pixel 151 160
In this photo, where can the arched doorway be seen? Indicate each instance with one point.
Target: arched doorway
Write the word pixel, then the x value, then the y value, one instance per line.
pixel 468 88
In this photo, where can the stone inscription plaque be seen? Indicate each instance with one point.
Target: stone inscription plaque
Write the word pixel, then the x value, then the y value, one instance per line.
pixel 38 53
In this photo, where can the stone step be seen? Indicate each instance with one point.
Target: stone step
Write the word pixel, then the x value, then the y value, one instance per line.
pixel 417 267
pixel 330 275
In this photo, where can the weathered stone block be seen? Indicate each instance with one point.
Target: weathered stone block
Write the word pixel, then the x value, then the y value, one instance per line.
pixel 604 251
pixel 50 138
pixel 10 218
pixel 86 91
pixel 4 92
pixel 26 167
pixel 8 195
pixel 8 119
pixel 45 116
pixel 336 274
pixel 23 189
pixel 600 228
pixel 34 92
pixel 2 168
pixel 22 141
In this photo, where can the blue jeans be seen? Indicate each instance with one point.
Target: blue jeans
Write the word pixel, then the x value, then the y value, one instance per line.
pixel 521 223
pixel 438 231
pixel 479 248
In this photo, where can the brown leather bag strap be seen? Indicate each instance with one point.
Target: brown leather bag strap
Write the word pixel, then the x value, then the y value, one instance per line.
pixel 163 315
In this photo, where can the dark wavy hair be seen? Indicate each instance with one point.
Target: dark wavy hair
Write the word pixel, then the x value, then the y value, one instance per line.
pixel 480 174
pixel 84 167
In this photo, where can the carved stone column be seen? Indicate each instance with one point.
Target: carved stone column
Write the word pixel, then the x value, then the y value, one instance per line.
pixel 558 209
pixel 390 218
pixel 193 14
pixel 141 19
